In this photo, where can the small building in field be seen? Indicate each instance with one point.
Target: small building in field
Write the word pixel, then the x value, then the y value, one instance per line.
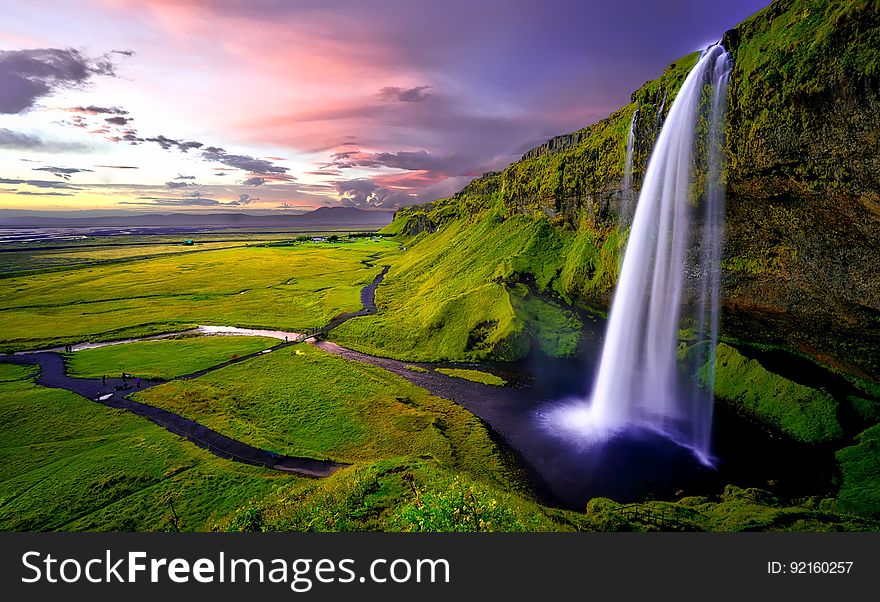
pixel 188 242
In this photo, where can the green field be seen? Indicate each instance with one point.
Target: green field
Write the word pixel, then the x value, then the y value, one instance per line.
pixel 477 376
pixel 67 463
pixel 291 287
pixel 163 359
pixel 304 401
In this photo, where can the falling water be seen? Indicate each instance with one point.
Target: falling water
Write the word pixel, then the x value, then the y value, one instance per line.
pixel 626 193
pixel 659 116
pixel 638 382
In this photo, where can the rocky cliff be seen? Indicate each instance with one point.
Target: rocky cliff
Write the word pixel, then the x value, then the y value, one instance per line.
pixel 803 175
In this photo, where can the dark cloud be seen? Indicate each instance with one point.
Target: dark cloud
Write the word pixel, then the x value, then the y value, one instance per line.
pixel 173 184
pixel 123 52
pixel 182 177
pixel 29 75
pixel 395 94
pixel 166 143
pixel 27 193
pixel 62 172
pixel 39 183
pixel 194 194
pixel 242 162
pixel 185 146
pixel 243 199
pixel 254 181
pixel 22 141
pixel 247 163
pixel 118 166
pixel 406 160
pixel 117 120
pixel 95 110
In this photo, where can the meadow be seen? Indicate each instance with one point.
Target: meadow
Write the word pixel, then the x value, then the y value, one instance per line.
pixel 292 286
pixel 163 359
pixel 67 463
pixel 303 401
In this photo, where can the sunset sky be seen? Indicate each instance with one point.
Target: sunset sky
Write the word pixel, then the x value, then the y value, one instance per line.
pixel 233 105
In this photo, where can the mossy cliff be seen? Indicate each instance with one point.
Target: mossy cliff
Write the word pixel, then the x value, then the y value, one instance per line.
pixel 803 204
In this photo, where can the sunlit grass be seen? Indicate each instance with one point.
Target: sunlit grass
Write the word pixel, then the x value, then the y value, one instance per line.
pixel 163 359
pixel 289 287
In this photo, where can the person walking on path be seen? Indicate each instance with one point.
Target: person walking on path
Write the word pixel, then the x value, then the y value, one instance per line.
pixel 103 380
pixel 138 383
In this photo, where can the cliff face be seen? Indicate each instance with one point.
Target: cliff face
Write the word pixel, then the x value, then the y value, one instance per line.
pixel 803 180
pixel 803 172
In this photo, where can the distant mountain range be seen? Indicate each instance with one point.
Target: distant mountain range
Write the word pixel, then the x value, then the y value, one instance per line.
pixel 321 217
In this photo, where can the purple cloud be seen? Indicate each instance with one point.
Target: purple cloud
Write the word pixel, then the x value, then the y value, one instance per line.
pixel 21 141
pixel 29 75
pixel 393 93
pixel 175 184
pixel 95 110
pixel 62 172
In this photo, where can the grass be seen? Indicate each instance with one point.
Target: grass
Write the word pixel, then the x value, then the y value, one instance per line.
pixel 77 255
pixel 860 468
pixel 401 495
pixel 163 359
pixel 457 295
pixel 804 414
pixel 69 464
pixel 307 402
pixel 290 287
pixel 477 376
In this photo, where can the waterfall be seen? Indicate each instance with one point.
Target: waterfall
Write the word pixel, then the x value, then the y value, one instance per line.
pixel 659 116
pixel 638 383
pixel 626 193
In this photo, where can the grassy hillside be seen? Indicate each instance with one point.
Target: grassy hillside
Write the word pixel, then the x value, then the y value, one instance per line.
pixel 481 289
pixel 803 413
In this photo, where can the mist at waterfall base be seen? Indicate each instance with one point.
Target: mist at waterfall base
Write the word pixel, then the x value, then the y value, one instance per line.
pixel 646 415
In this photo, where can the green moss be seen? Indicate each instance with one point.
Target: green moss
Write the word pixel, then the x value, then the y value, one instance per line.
pixel 476 376
pixel 860 467
pixel 802 413
pixel 867 409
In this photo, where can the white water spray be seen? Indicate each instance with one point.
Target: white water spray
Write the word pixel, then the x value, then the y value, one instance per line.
pixel 627 193
pixel 638 383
